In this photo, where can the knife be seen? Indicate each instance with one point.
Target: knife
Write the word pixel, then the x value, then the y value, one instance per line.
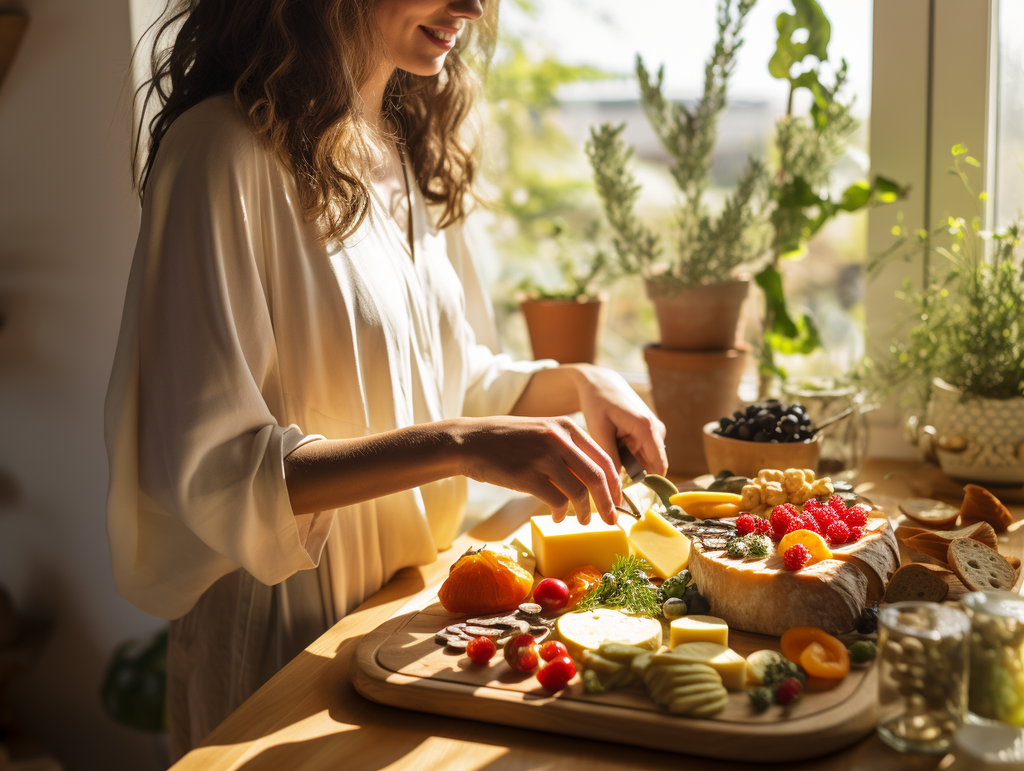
pixel 636 474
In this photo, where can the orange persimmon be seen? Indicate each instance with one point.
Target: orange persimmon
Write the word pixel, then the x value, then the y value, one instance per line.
pixel 831 663
pixel 483 581
pixel 828 659
pixel 581 581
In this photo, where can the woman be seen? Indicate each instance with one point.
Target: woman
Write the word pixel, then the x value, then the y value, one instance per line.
pixel 297 395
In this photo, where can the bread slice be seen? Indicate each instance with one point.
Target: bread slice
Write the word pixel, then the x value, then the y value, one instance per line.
pixel 919 581
pixel 930 512
pixel 982 506
pixel 980 567
pixel 935 544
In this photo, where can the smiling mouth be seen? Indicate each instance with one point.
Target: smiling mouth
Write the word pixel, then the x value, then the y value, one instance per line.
pixel 443 40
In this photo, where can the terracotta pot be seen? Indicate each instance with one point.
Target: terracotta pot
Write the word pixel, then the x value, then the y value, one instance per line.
pixel 691 388
pixel 703 319
pixel 747 458
pixel 565 330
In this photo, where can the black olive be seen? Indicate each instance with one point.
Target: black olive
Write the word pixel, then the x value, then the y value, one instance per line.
pixel 760 436
pixel 743 432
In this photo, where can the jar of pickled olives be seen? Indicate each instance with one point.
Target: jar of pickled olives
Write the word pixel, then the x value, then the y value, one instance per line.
pixel 996 689
pixel 922 675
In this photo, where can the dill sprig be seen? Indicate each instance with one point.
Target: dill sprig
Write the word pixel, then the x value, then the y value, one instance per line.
pixel 627 587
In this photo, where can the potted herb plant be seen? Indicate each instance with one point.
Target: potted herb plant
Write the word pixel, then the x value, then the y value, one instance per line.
pixel 696 291
pixel 962 360
pixel 565 321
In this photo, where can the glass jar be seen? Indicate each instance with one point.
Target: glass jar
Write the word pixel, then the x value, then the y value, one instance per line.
pixel 844 445
pixel 996 690
pixel 922 675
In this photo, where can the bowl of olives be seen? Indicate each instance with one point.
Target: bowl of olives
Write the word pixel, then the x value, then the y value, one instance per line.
pixel 768 434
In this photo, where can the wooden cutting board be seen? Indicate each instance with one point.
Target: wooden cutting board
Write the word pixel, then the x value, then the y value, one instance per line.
pixel 399 664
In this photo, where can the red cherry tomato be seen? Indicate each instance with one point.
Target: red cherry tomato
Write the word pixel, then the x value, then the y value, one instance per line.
pixel 552 649
pixel 481 649
pixel 521 653
pixel 551 594
pixel 557 674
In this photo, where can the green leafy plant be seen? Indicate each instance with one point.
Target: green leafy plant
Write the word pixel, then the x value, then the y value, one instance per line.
pixel 966 325
pixel 628 587
pixel 807 149
pixel 582 269
pixel 134 690
pixel 708 248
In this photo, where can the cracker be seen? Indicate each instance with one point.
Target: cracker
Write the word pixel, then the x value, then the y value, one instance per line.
pixel 979 567
pixel 930 512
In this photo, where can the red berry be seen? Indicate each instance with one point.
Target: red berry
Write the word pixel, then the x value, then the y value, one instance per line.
pixel 521 653
pixel 762 526
pixel 780 519
pixel 551 594
pixel 814 505
pixel 837 532
pixel 837 505
pixel 788 691
pixel 794 523
pixel 552 649
pixel 745 524
pixel 481 649
pixel 789 508
pixel 796 557
pixel 856 533
pixel 856 516
pixel 807 522
pixel 557 674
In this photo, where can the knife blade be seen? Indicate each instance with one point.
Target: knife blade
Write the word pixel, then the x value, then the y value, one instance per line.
pixel 634 470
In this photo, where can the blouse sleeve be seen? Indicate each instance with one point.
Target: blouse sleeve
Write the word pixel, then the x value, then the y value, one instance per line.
pixel 495 381
pixel 197 485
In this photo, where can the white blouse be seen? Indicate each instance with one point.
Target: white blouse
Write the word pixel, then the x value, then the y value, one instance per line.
pixel 242 338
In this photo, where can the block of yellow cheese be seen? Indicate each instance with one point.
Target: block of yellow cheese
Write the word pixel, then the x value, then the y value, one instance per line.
pixel 698 629
pixel 653 539
pixel 727 662
pixel 562 546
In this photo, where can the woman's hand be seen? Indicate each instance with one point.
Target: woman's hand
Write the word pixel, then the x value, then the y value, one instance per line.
pixel 552 459
pixel 613 411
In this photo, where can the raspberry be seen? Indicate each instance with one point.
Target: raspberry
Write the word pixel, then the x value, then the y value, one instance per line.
pixel 780 519
pixel 807 522
pixel 794 523
pixel 745 524
pixel 789 508
pixel 837 505
pixel 762 526
pixel 856 533
pixel 822 515
pixel 856 516
pixel 796 557
pixel 838 532
pixel 814 505
pixel 788 690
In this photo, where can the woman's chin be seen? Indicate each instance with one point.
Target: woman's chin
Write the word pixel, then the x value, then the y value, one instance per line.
pixel 423 66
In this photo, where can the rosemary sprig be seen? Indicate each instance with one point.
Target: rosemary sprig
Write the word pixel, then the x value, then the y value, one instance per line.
pixel 626 586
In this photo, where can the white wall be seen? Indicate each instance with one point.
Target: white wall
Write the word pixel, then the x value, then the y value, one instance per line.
pixel 68 222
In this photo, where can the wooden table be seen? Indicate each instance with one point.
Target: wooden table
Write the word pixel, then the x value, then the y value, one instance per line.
pixel 308 717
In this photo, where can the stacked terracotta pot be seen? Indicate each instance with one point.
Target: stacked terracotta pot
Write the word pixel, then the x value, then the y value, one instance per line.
pixel 696 368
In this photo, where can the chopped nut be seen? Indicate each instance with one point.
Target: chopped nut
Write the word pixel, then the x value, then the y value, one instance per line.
pixel 793 480
pixel 773 494
pixel 801 496
pixel 751 497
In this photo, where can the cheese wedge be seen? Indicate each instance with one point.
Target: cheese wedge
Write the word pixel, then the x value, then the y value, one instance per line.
pixel 561 546
pixel 589 629
pixel 653 539
pixel 729 664
pixel 698 629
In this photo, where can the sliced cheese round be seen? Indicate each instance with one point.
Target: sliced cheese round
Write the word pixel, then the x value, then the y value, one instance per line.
pixel 589 629
pixel 730 665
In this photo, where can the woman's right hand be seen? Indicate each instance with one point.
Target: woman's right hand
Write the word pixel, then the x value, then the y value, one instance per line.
pixel 552 459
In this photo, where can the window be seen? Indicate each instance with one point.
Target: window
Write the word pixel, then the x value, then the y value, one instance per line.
pixel 680 35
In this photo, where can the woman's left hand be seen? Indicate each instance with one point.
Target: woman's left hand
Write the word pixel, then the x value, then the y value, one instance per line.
pixel 614 411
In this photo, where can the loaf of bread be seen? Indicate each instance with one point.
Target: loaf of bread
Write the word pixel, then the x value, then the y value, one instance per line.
pixel 919 581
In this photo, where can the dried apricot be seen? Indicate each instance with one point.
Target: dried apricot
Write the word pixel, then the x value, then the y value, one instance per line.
pixel 815 545
pixel 581 581
pixel 821 654
pixel 827 663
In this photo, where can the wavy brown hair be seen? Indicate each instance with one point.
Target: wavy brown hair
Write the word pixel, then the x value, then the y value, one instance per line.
pixel 295 68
